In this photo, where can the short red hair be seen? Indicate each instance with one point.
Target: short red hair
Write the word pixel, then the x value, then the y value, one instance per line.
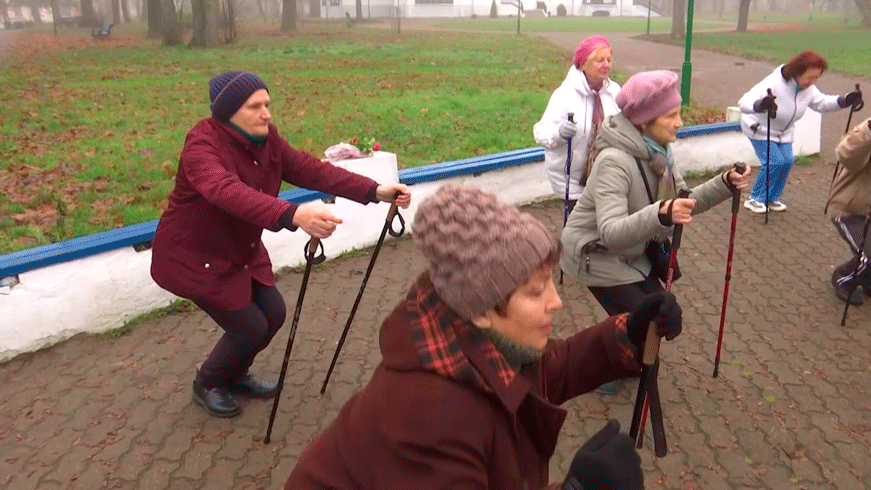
pixel 806 59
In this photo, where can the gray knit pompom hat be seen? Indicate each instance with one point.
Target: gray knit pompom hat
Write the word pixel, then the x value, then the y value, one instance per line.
pixel 480 249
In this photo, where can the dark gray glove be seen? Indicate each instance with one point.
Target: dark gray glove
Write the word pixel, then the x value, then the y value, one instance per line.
pixel 567 130
pixel 766 104
pixel 608 461
pixel 662 309
pixel 853 99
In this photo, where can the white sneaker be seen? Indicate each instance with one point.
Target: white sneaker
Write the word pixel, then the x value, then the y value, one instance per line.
pixel 755 206
pixel 776 206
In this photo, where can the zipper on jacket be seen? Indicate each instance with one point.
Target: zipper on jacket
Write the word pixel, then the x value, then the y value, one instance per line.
pixel 794 111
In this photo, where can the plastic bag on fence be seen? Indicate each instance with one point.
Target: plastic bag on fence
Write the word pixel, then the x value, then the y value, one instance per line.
pixel 342 151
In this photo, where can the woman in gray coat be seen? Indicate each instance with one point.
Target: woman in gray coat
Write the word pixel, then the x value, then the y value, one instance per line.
pixel 608 230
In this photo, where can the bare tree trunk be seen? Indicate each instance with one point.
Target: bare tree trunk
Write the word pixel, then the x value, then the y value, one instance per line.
pixel 155 19
pixel 5 9
pixel 360 9
pixel 743 15
pixel 171 26
pixel 864 7
pixel 116 12
pixel 288 16
pixel 55 13
pixel 678 19
pixel 125 11
pixel 204 14
pixel 260 8
pixel 228 21
pixel 88 17
pixel 34 12
pixel 314 7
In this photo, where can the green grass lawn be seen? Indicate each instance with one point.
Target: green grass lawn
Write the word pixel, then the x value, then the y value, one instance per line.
pixel 92 131
pixel 580 25
pixel 93 128
pixel 844 46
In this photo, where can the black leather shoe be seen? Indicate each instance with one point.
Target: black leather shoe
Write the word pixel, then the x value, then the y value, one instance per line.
pixel 254 387
pixel 217 401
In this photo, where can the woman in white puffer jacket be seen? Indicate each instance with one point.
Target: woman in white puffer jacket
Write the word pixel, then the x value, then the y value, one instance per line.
pixel 793 87
pixel 589 93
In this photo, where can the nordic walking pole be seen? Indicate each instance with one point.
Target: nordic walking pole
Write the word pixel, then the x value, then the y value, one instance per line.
pixel 767 158
pixel 568 174
pixel 854 108
pixel 388 228
pixel 859 254
pixel 647 385
pixel 736 196
pixel 310 259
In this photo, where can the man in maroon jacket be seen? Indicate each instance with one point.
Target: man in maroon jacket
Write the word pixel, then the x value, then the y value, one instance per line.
pixel 207 246
pixel 468 390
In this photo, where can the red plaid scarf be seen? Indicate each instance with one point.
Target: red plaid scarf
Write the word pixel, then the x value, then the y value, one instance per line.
pixel 437 330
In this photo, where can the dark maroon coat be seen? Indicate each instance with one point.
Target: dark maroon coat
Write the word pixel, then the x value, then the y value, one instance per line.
pixel 412 428
pixel 207 246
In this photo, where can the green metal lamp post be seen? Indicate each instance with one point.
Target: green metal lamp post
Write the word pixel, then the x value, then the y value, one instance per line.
pixel 687 69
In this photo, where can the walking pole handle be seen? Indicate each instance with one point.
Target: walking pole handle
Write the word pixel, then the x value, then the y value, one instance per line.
pixel 678 229
pixel 736 194
pixel 393 213
pixel 859 105
pixel 572 114
pixel 651 346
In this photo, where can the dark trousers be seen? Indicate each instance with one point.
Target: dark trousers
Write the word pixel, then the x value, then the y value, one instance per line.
pixel 857 268
pixel 624 297
pixel 246 332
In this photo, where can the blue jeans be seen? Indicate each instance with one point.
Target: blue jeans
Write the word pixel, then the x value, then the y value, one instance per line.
pixel 777 164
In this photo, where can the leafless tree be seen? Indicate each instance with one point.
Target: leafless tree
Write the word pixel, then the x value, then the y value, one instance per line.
pixel 204 15
pixel 743 15
pixel 864 7
pixel 678 19
pixel 288 16
pixel 88 17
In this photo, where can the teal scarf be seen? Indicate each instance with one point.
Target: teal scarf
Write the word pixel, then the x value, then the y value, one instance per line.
pixel 257 141
pixel 662 163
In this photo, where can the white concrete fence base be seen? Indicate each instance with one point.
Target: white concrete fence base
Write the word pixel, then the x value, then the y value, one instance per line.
pixel 101 292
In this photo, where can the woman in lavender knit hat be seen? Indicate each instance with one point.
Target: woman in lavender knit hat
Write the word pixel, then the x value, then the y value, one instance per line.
pixel 615 217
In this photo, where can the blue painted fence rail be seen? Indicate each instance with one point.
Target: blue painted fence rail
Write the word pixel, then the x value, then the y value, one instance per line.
pixel 76 248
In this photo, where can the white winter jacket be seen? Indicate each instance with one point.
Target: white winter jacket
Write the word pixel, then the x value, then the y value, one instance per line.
pixel 791 104
pixel 573 95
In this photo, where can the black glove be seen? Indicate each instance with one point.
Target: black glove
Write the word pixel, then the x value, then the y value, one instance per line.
pixel 853 99
pixel 766 104
pixel 608 461
pixel 662 309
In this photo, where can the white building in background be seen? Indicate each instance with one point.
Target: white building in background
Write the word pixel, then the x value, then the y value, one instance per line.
pixel 481 8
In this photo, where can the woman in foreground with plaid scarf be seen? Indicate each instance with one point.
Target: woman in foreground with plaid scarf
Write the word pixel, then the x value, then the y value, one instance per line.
pixel 468 392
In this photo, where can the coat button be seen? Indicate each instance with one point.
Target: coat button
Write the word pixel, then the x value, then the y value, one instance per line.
pixel 207 265
pixel 253 244
pixel 255 162
pixel 246 266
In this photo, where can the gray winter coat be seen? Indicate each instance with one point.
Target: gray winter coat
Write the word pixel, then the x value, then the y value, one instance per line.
pixel 614 214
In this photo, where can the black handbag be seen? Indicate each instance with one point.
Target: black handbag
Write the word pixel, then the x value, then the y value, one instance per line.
pixel 658 251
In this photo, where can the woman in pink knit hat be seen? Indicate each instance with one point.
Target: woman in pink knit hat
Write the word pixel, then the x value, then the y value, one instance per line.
pixel 630 197
pixel 590 94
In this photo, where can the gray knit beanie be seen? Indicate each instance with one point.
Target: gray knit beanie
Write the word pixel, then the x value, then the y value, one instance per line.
pixel 228 91
pixel 480 249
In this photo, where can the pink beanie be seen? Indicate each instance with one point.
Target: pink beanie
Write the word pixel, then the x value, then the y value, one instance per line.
pixel 586 47
pixel 648 95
